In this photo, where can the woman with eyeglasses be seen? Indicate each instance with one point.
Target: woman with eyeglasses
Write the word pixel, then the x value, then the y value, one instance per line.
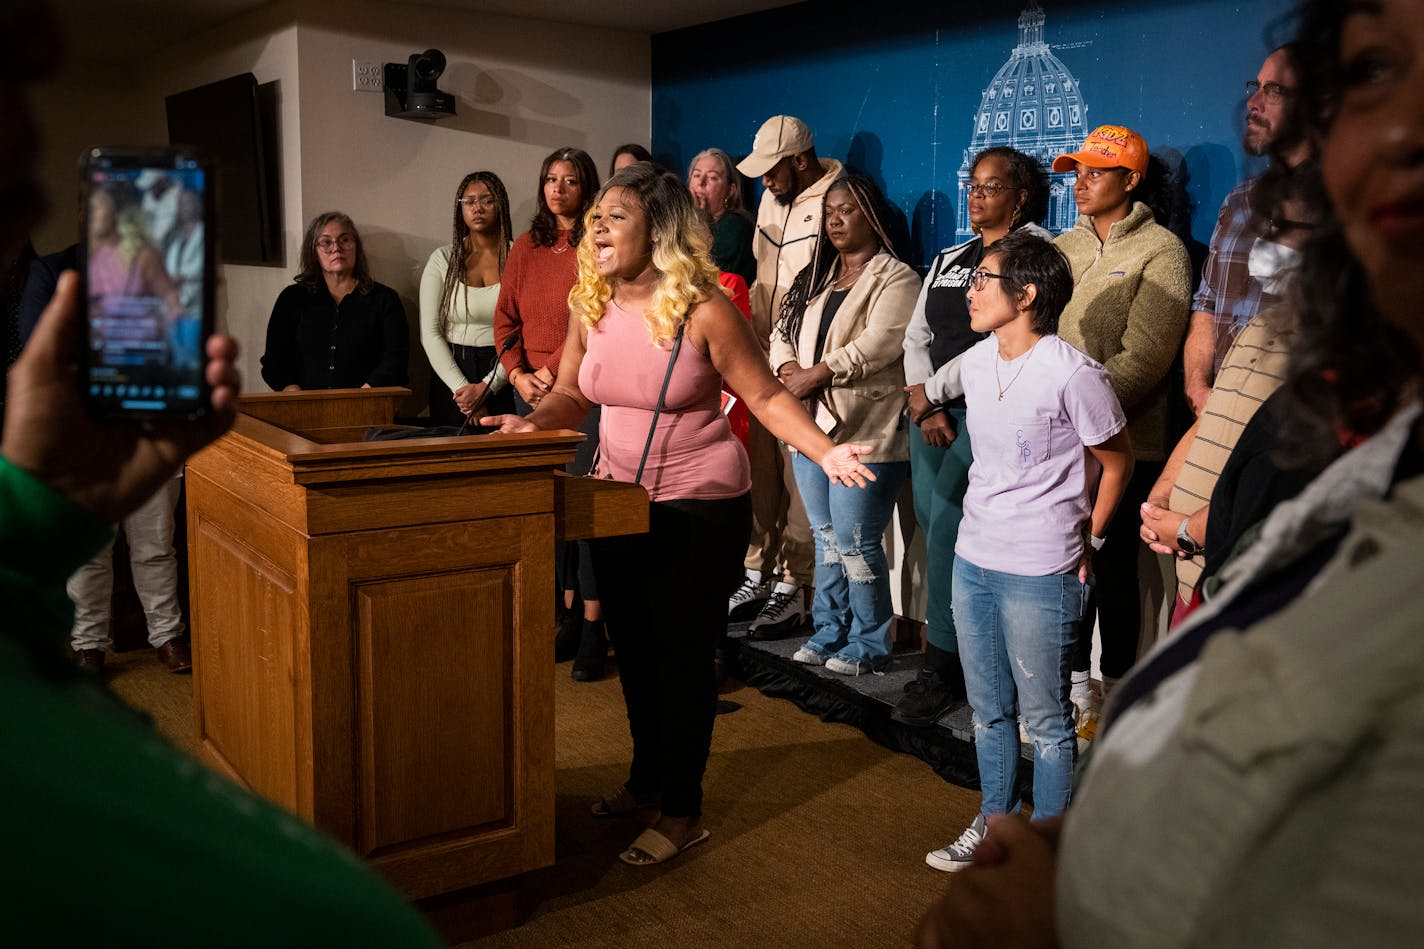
pixel 1255 782
pixel 839 347
pixel 1006 190
pixel 1131 298
pixel 1052 457
pixel 458 293
pixel 335 327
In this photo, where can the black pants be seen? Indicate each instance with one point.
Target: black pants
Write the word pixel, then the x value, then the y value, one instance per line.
pixel 664 594
pixel 572 570
pixel 1117 599
pixel 475 362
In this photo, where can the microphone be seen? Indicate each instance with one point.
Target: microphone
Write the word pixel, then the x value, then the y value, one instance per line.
pixel 508 344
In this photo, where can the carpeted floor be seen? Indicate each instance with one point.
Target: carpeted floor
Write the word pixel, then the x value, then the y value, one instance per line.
pixel 818 834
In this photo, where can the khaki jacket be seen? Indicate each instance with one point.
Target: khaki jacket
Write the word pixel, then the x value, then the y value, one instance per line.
pixel 784 242
pixel 865 352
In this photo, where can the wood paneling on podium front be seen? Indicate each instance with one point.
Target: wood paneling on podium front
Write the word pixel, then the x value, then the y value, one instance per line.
pixel 373 628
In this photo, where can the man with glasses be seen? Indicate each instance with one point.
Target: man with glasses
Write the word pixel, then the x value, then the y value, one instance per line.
pixel 1228 297
pixel 1236 355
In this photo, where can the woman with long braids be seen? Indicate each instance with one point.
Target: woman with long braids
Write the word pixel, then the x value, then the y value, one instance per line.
pixel 458 293
pixel 1006 190
pixel 647 296
pixel 1255 779
pixel 839 346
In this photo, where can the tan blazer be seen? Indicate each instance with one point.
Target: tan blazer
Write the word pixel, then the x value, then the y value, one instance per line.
pixel 865 353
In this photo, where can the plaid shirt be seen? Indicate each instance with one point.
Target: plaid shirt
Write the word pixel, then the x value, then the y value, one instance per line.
pixel 1227 289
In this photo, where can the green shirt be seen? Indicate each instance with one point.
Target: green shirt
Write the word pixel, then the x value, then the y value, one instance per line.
pixel 113 837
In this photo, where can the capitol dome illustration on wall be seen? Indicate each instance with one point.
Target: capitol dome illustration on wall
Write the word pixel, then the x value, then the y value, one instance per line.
pixel 1033 104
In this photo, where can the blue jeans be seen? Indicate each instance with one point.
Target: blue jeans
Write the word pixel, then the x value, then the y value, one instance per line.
pixel 851 611
pixel 940 477
pixel 1016 637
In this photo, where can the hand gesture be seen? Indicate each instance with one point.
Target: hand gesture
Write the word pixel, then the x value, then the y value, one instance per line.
pixel 109 468
pixel 842 465
pixel 468 396
pixel 508 423
pixel 938 430
pixel 804 383
pixel 531 387
pixel 1159 527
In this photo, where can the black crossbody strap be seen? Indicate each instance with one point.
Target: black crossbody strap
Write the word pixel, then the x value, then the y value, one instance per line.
pixel 662 396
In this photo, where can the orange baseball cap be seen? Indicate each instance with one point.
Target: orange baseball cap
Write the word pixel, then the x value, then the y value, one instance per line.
pixel 1109 146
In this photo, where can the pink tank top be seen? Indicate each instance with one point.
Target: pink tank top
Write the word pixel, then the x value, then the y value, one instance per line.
pixel 694 454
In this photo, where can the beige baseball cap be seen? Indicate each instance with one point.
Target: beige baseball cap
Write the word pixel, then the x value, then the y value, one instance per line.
pixel 779 137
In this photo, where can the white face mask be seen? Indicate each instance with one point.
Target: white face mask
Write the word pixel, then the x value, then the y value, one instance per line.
pixel 1272 265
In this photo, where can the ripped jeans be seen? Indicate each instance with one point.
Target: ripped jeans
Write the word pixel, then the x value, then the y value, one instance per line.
pixel 851 611
pixel 1016 637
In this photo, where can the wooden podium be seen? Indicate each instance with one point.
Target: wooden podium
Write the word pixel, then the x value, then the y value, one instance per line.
pixel 373 628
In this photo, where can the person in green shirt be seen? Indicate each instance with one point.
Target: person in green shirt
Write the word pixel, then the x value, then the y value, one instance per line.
pixel 111 835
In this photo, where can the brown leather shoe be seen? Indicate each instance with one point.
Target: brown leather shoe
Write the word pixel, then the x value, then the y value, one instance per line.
pixel 90 660
pixel 176 655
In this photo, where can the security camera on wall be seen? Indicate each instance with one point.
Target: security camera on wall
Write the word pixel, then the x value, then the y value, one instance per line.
pixel 410 89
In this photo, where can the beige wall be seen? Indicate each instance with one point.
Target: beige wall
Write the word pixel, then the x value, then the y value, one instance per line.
pixel 523 87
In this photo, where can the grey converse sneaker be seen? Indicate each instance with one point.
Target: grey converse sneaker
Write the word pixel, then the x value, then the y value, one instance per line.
pixel 956 856
pixel 782 614
pixel 747 600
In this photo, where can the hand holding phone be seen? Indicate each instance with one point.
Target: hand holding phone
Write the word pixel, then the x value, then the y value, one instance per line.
pixel 148 264
pixel 106 468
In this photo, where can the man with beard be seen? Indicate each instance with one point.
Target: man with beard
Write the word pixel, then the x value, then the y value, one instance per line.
pixel 1228 296
pixel 779 559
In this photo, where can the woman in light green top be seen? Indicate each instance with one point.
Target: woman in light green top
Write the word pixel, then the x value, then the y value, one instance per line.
pixel 458 292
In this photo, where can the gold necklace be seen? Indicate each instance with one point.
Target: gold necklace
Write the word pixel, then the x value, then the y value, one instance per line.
pixel 1005 388
pixel 850 275
pixel 560 248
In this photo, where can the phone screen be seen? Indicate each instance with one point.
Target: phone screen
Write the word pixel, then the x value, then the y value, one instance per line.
pixel 148 268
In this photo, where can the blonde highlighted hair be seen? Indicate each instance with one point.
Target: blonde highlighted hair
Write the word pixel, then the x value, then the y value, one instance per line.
pixel 681 252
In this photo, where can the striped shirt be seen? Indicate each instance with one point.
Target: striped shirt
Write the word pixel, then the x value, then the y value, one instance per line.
pixel 1254 368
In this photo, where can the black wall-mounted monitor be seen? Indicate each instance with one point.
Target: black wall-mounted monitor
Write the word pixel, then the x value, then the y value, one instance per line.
pixel 234 121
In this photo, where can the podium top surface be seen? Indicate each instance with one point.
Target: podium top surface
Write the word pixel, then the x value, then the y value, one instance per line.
pixel 321 436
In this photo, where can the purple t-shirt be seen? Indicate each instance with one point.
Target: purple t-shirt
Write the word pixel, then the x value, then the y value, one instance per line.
pixel 1031 484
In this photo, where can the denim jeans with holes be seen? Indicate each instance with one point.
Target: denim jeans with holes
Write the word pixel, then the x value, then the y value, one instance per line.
pixel 851 611
pixel 1016 637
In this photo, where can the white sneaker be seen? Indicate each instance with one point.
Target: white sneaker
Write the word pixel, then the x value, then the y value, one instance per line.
pixel 958 855
pixel 747 600
pixel 782 614
pixel 808 657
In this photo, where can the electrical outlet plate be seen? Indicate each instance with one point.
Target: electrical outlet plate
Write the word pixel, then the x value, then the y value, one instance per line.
pixel 366 76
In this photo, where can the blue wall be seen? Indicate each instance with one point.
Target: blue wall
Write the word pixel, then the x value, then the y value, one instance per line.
pixel 896 92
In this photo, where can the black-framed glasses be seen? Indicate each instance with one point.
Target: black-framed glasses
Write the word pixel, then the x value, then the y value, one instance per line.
pixel 487 201
pixel 345 242
pixel 986 191
pixel 980 278
pixel 1273 91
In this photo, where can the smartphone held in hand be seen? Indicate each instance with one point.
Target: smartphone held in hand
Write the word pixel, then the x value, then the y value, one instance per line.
pixel 148 264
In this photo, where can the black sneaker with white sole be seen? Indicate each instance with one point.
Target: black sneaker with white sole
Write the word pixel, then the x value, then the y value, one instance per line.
pixel 781 616
pixel 748 599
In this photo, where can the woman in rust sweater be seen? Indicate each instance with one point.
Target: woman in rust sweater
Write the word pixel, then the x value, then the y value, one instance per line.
pixel 533 308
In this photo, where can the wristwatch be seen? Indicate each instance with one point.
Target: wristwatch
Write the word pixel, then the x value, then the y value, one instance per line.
pixel 1185 543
